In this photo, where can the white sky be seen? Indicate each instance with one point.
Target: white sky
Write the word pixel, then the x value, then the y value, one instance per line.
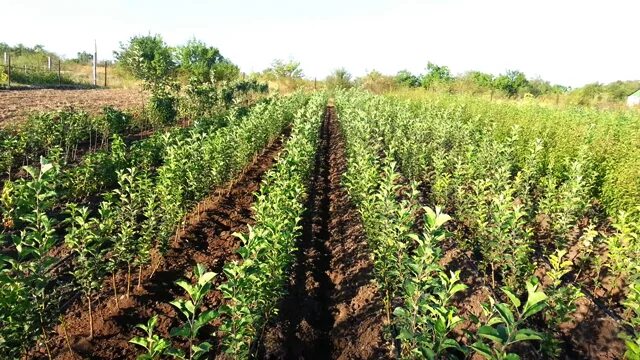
pixel 569 42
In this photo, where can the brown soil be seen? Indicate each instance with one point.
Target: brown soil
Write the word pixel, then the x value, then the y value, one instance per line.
pixel 207 239
pixel 15 105
pixel 333 309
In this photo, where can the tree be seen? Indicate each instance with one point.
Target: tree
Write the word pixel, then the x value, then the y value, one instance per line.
pixel 436 74
pixel 339 79
pixel 284 70
pixel 200 62
pixel 406 78
pixel 480 79
pixel 83 57
pixel 512 82
pixel 148 59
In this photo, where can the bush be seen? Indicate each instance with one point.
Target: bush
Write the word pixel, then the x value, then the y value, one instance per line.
pixel 162 109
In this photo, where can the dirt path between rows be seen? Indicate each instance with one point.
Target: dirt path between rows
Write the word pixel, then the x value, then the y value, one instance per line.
pixel 332 310
pixel 208 239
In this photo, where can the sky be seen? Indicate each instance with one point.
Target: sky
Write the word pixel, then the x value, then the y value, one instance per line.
pixel 567 42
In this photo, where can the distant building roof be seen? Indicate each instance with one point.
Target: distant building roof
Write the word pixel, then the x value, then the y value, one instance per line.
pixel 635 93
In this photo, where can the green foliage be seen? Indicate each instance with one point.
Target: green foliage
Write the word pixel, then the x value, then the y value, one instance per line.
pixel 68 129
pixel 338 79
pixel 83 238
pixel 155 345
pixel 511 82
pixel 281 69
pixel 436 74
pixel 25 300
pixel 632 305
pixel 138 217
pixel 504 325
pixel 194 320
pixel 562 301
pixel 190 309
pixel 199 60
pixel 149 59
pixel 162 109
pixel 406 78
pixel 624 248
pixel 596 93
pixel 426 318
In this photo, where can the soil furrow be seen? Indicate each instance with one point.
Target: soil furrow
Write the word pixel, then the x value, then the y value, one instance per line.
pixel 332 309
pixel 207 239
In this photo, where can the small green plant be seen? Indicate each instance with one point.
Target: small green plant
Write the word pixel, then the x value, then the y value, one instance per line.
pixel 195 319
pixel 190 309
pixel 154 344
pixel 426 318
pixel 562 300
pixel 90 265
pixel 503 327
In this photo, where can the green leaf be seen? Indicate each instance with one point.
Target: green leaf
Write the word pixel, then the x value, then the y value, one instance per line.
pixel 482 349
pixel 139 341
pixel 183 331
pixel 405 334
pixel 400 312
pixel 512 297
pixel 457 288
pixel 490 333
pixel 204 319
pixel 535 308
pixel 505 314
pixel 176 353
pixel 527 334
pixel 451 344
pixel 440 326
pixel 511 356
pixel 206 278
pixel 186 286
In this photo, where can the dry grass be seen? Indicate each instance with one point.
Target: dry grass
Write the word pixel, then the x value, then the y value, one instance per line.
pixel 116 77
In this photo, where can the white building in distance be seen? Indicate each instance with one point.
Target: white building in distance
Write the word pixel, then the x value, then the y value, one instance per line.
pixel 634 99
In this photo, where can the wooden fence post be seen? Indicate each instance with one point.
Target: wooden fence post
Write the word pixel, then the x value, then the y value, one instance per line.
pixel 95 63
pixel 9 69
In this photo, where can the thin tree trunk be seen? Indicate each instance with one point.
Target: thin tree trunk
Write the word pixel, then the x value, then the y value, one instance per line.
pixel 46 338
pixel 139 276
pixel 128 279
pixel 66 336
pixel 115 289
pixel 90 317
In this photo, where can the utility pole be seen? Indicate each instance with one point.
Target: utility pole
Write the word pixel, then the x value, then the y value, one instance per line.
pixel 49 63
pixel 95 63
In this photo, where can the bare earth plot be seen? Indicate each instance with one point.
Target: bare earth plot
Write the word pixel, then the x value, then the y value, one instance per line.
pixel 15 105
